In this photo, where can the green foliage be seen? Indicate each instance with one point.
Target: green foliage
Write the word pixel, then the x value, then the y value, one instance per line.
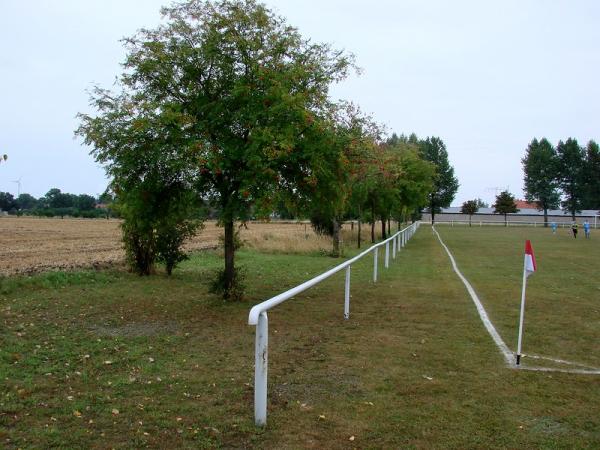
pixel 7 201
pixel 505 204
pixel 591 176
pixel 26 202
pixel 228 91
pixel 469 207
pixel 229 289
pixel 571 163
pixel 445 183
pixel 540 168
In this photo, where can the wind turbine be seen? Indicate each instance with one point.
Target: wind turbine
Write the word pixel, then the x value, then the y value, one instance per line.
pixel 18 186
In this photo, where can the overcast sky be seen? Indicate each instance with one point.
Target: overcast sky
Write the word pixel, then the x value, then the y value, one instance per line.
pixel 485 76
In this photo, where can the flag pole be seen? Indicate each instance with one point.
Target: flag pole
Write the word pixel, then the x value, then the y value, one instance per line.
pixel 522 311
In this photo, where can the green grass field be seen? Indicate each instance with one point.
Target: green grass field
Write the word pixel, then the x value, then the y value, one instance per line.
pixel 111 360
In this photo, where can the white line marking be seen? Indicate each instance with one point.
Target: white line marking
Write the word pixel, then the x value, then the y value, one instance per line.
pixel 507 353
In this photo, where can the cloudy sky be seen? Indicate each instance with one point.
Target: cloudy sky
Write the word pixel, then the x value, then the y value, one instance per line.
pixel 485 76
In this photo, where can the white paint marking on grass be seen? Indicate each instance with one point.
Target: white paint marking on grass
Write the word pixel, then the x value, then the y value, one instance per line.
pixel 560 361
pixel 508 355
pixel 552 369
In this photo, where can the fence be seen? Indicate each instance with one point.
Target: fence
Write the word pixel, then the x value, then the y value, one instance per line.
pixel 258 314
pixel 513 223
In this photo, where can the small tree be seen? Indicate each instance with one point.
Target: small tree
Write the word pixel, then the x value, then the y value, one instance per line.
pixel 505 204
pixel 469 207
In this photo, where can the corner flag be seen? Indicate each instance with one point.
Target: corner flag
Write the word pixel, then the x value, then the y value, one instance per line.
pixel 529 267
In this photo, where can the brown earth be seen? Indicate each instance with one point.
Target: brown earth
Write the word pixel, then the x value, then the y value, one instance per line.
pixel 31 244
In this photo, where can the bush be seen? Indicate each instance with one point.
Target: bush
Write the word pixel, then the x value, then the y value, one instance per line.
pixel 235 291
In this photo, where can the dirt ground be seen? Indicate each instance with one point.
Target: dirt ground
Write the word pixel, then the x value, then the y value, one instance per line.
pixel 31 244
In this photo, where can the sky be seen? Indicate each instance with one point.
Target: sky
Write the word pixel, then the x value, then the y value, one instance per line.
pixel 484 76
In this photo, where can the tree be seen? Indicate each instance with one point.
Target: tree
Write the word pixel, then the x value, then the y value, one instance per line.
pixel 85 202
pixel 540 168
pixel 350 135
pixel 570 171
pixel 469 207
pixel 505 204
pixel 7 201
pixel 54 198
pixel 240 88
pixel 591 177
pixel 3 157
pixel 26 202
pixel 445 183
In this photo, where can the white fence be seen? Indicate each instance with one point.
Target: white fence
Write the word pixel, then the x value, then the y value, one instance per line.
pixel 513 223
pixel 258 314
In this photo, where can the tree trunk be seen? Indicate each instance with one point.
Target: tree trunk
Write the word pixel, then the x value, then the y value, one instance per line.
pixel 389 226
pixel 383 234
pixel 470 219
pixel 359 223
pixel 336 238
pixel 229 255
pixel 432 211
pixel 372 223
pixel 545 217
pixel 505 220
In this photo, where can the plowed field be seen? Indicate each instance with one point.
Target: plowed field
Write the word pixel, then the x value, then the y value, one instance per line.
pixel 30 245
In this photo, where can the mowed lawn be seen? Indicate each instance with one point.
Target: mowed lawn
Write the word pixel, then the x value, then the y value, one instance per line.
pixel 110 360
pixel 562 314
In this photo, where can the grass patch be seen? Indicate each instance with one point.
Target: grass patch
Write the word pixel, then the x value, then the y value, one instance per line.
pixel 130 362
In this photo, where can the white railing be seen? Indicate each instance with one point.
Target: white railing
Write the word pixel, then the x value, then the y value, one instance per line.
pixel 258 314
pixel 510 223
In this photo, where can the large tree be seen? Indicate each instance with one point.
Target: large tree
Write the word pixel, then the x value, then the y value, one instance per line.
pixel 505 204
pixel 571 163
pixel 445 183
pixel 540 168
pixel 591 175
pixel 243 88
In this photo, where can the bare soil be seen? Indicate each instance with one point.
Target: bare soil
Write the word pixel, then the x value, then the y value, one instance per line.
pixel 31 245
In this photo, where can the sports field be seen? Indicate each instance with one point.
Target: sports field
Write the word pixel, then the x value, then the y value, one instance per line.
pixel 106 359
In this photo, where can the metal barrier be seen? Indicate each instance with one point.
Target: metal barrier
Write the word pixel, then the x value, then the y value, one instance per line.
pixel 258 314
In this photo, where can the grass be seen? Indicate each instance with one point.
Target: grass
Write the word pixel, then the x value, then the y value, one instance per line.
pixel 110 360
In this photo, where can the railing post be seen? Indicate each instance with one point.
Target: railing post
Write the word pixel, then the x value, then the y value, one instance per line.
pixel 387 254
pixel 261 360
pixel 394 247
pixel 347 295
pixel 375 264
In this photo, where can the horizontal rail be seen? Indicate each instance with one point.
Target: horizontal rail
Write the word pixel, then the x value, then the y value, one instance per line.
pixel 258 314
pixel 280 298
pixel 510 223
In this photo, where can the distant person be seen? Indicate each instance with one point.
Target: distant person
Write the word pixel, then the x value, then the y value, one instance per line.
pixel 553 225
pixel 574 228
pixel 586 229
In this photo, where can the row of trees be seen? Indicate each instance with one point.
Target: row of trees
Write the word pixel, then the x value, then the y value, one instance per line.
pixel 54 203
pixel 567 175
pixel 227 105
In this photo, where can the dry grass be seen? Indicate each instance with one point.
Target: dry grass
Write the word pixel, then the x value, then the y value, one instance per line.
pixel 31 245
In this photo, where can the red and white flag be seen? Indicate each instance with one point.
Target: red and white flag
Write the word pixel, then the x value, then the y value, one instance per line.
pixel 530 266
